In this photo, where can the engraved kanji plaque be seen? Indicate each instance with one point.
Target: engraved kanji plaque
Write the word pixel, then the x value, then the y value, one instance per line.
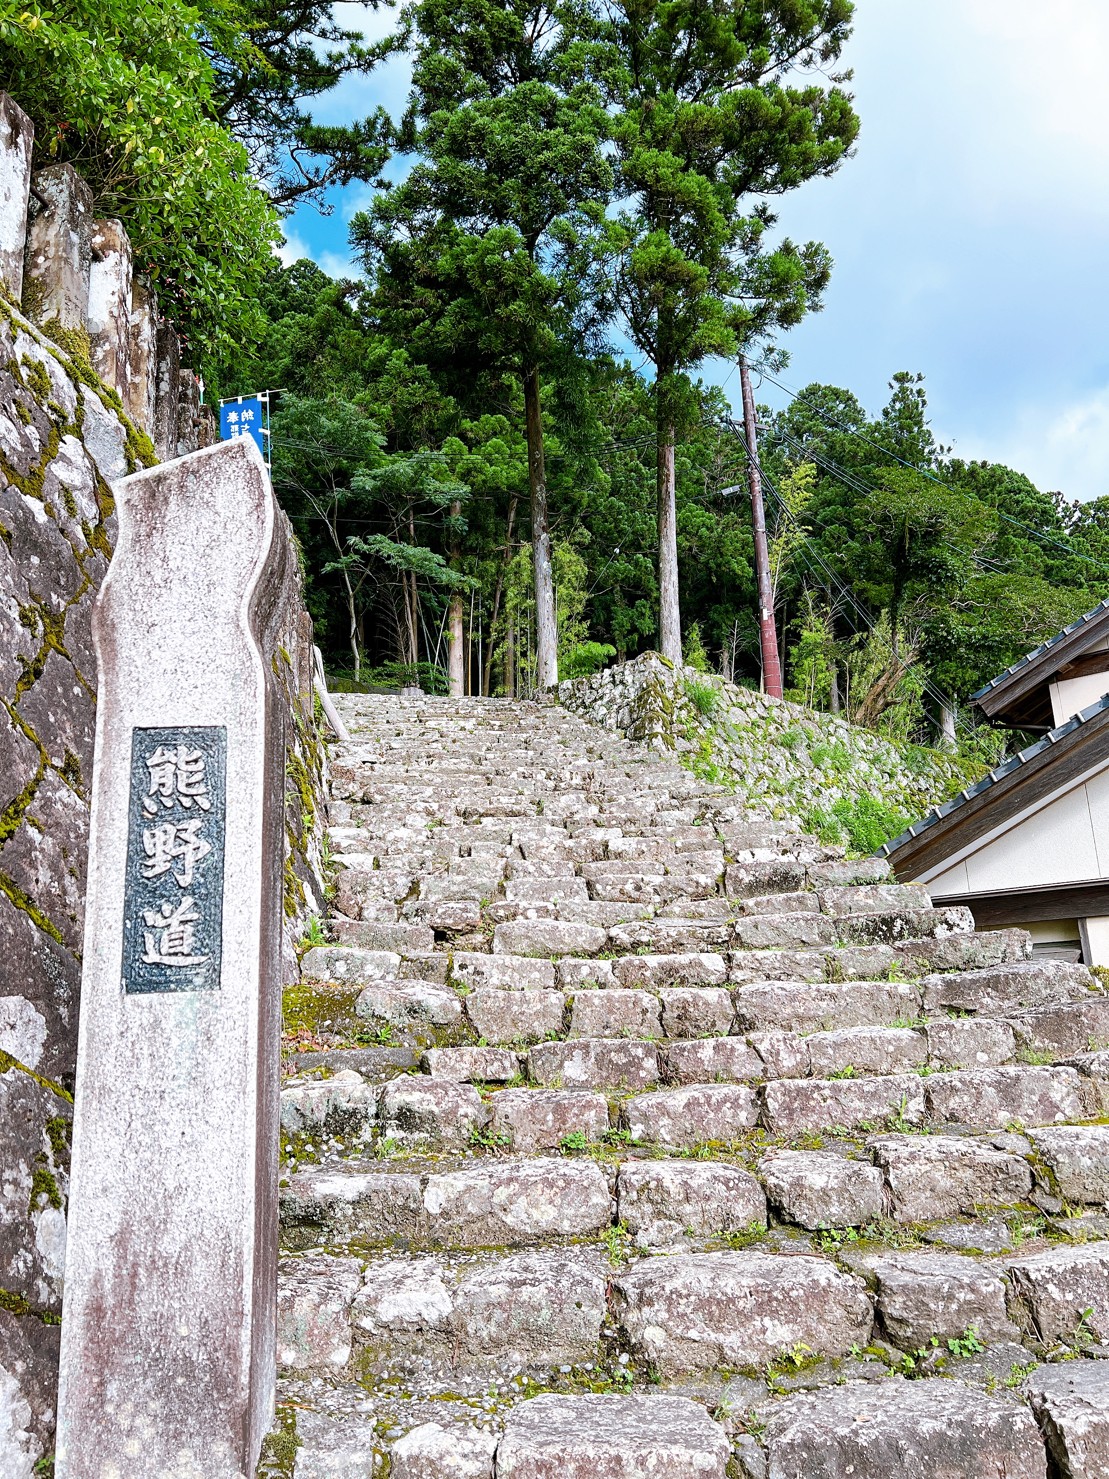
pixel 176 829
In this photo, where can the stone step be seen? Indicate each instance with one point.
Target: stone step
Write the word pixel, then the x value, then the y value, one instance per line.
pixel 490 1205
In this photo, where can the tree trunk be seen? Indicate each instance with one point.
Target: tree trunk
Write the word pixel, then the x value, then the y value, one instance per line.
pixel 510 660
pixel 546 628
pixel 949 740
pixel 670 620
pixel 456 656
pixel 353 627
pixel 412 603
pixel 834 704
pixel 487 677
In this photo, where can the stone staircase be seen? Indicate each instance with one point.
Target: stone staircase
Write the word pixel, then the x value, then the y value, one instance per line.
pixel 630 1135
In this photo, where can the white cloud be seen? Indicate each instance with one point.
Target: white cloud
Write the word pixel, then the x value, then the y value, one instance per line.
pixel 292 249
pixel 335 264
pixel 1065 449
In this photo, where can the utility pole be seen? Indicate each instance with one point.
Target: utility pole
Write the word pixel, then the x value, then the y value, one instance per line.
pixel 768 633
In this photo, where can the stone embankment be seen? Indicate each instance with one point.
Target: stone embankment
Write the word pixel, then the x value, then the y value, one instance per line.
pixel 632 1132
pixel 839 779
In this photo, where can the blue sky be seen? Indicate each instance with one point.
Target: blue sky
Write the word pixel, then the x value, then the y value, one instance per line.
pixel 970 233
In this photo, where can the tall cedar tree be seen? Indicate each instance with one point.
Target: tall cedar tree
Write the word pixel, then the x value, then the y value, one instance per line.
pixel 487 253
pixel 706 129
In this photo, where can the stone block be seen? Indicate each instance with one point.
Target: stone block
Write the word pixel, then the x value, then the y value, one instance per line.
pixel 696 1011
pixel 359 967
pixel 540 1119
pixel 818 1189
pixel 783 1054
pixel 609 1437
pixel 472 1065
pixel 969 1042
pixel 926 1296
pixel 371 934
pixel 1070 1027
pixel 1053 1292
pixel 850 1104
pixel 666 936
pixel 17 136
pixel 697 1311
pixel 432 1451
pixel 507 972
pixel 936 1176
pixel 335 1447
pixel 881 1050
pixel 402 1312
pixel 416 1107
pixel 594 1063
pixel 663 1202
pixel 1000 1096
pixel 109 311
pixel 999 990
pixel 364 1208
pixel 415 1004
pixel 522 1201
pixel 1071 1404
pixel 615 1013
pixel 314 1298
pixel 547 937
pixel 656 971
pixel 59 248
pixel 514 1016
pixel 820 1007
pixel 531 1309
pixel 575 975
pixel 341 1105
pixel 930 1429
pixel 710 1060
pixel 1078 1158
pixel 748 880
pixel 786 931
pixel 682 1118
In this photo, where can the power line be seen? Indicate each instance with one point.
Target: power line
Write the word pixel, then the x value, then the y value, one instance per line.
pixel 931 476
pixel 845 594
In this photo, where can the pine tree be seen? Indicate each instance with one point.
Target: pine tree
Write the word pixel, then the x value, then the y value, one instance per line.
pixel 486 255
pixel 706 129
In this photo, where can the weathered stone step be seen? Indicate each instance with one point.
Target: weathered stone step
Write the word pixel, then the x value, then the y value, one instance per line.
pixel 491 1205
pixel 932 1429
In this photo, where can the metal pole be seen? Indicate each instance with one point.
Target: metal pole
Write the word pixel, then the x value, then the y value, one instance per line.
pixel 768 633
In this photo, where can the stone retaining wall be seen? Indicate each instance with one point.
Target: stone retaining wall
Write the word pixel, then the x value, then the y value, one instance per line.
pixel 787 760
pixel 73 274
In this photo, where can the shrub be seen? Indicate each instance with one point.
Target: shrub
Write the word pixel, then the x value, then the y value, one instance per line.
pixel 584 659
pixel 702 696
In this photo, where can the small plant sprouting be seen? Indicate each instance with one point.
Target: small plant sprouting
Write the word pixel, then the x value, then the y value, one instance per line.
pixel 489 1139
pixel 617 1240
pixel 966 1345
pixel 574 1142
pixel 314 934
pixel 847 1071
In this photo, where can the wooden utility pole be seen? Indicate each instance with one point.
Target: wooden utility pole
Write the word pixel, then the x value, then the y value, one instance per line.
pixel 768 632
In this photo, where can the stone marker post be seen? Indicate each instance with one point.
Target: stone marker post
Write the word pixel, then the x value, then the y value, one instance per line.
pixel 168 1365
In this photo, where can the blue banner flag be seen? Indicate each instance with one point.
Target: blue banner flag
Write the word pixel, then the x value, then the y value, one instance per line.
pixel 243 418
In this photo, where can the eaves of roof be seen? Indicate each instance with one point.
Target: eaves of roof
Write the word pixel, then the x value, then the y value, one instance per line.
pixel 940 814
pixel 1038 653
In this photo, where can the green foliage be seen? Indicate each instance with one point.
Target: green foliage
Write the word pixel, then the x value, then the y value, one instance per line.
pixel 584 659
pixel 695 656
pixel 702 696
pixel 127 93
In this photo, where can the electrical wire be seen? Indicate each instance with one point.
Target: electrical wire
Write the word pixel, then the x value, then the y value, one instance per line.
pixel 931 476
pixel 847 596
